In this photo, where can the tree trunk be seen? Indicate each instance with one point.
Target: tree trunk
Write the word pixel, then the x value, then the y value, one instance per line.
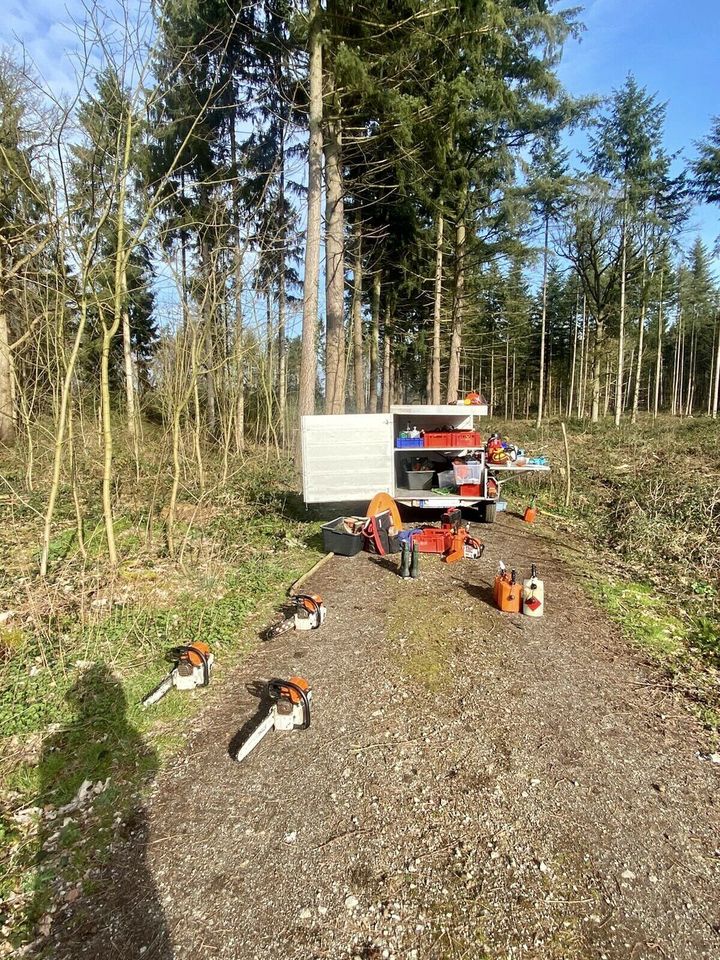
pixel 374 342
pixel 716 389
pixel 597 347
pixel 621 336
pixel 282 353
pixel 308 358
pixel 681 370
pixel 606 404
pixel 130 412
pixel 7 413
pixel 543 321
pixel 437 314
pixel 109 333
pixel 457 312
pixel 641 341
pixel 358 359
pixel 574 355
pixel 512 411
pixel 334 269
pixel 658 357
pixel 711 377
pixel 507 376
pixel 387 350
pixel 492 383
pixel 239 365
pixel 691 371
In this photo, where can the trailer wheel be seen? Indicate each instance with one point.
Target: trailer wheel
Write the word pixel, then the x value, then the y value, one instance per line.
pixel 489 513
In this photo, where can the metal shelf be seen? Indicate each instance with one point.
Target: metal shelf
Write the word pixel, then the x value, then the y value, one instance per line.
pixel 431 449
pixel 438 499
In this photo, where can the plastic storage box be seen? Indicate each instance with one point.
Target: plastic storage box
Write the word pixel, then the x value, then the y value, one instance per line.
pixel 431 540
pixel 337 540
pixel 419 479
pixel 470 472
pixel 407 442
pixel 470 490
pixel 446 478
pixel 453 438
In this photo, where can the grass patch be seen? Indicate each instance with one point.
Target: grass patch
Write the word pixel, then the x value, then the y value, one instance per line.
pixel 422 645
pixel 643 616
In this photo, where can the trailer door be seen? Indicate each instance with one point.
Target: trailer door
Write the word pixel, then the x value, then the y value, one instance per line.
pixel 347 457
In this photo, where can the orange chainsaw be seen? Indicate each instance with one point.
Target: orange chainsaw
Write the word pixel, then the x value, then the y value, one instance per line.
pixel 308 613
pixel 192 668
pixel 290 710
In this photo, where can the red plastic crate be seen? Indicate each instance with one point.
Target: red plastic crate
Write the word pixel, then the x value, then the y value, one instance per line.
pixel 466 438
pixel 432 540
pixel 438 439
pixel 456 438
pixel 470 490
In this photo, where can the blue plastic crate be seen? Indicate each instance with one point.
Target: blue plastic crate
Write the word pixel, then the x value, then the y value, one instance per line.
pixel 405 442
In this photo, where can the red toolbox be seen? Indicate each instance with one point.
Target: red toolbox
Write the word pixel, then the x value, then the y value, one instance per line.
pixel 454 438
pixel 470 490
pixel 432 540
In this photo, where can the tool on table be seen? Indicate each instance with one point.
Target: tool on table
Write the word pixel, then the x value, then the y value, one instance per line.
pixel 510 595
pixel 308 613
pixel 192 668
pixel 290 710
pixel 533 604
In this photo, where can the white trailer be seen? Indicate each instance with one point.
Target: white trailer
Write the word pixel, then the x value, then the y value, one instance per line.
pixel 349 458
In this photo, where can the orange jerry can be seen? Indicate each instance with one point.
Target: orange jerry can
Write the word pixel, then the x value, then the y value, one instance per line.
pixel 510 595
pixel 501 576
pixel 530 514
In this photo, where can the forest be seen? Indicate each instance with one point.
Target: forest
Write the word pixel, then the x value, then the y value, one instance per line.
pixel 245 214
pixel 240 213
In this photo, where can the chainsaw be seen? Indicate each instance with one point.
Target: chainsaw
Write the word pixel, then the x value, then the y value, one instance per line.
pixel 460 544
pixel 308 613
pixel 290 710
pixel 192 668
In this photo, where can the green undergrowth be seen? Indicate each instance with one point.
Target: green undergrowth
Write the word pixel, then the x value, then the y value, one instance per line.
pixel 87 644
pixel 646 502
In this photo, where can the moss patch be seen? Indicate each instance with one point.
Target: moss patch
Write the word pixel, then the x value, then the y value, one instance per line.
pixel 423 644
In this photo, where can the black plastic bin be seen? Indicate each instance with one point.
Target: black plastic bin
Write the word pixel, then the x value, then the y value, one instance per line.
pixel 337 540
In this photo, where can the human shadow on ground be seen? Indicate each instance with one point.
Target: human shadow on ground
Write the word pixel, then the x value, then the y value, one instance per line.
pixel 117 912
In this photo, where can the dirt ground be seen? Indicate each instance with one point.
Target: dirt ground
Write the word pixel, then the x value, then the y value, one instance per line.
pixel 473 785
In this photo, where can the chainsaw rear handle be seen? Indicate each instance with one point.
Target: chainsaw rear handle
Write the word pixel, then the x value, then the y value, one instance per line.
pixel 275 688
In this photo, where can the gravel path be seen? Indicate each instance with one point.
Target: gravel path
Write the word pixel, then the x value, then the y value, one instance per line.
pixel 473 785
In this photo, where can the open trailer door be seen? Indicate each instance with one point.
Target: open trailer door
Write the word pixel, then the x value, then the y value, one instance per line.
pixel 346 457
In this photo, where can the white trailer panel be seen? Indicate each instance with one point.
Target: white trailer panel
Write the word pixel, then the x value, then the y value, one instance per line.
pixel 346 458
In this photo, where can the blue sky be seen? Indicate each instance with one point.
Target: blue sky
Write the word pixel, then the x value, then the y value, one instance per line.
pixel 673 48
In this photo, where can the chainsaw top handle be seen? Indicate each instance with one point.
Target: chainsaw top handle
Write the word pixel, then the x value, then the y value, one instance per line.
pixel 197 655
pixel 295 692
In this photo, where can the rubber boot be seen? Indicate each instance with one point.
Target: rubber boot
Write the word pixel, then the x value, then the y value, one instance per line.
pixel 405 560
pixel 415 562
